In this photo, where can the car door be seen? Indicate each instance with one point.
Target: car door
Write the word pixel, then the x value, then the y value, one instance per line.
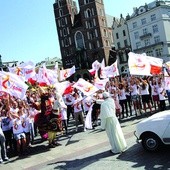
pixel 166 135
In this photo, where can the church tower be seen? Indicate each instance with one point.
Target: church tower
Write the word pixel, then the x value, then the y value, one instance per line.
pixel 83 35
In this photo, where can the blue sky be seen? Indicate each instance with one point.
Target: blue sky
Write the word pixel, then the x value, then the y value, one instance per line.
pixel 28 30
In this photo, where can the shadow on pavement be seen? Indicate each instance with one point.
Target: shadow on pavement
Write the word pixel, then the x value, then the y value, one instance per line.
pixel 146 160
pixel 80 163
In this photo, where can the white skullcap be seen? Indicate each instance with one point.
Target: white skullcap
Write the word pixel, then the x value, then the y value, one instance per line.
pixel 106 95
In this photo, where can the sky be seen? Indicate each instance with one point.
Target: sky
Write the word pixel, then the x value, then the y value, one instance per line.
pixel 28 30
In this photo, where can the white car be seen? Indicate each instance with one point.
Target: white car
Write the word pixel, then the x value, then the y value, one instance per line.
pixel 154 131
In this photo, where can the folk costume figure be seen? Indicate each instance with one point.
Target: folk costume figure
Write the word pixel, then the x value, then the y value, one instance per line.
pixel 110 123
pixel 54 124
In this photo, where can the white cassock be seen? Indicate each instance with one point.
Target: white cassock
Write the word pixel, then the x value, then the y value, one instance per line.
pixel 110 123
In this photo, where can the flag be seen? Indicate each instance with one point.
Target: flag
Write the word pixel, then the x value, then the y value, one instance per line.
pixel 110 71
pixel 25 70
pixel 96 65
pixel 42 76
pixel 138 64
pixel 12 84
pixel 102 73
pixel 100 84
pixel 156 64
pixel 85 87
pixel 64 74
pixel 64 87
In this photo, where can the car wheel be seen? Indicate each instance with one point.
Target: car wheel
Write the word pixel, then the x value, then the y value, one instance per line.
pixel 151 142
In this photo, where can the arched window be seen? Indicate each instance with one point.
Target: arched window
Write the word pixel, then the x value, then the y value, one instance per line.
pixel 88 13
pixel 61 12
pixel 86 1
pixel 79 40
pixel 62 22
pixel 59 3
pixel 66 42
pixel 105 33
pixel 64 32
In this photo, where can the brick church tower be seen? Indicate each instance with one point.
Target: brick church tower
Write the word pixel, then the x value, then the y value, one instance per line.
pixel 83 36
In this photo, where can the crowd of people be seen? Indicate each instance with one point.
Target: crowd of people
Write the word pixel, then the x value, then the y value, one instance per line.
pixel 46 111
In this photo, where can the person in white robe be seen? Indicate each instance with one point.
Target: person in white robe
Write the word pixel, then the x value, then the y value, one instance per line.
pixel 110 123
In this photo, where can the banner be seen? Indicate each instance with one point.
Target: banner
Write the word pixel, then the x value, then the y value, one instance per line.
pixel 138 64
pixel 110 71
pixel 12 84
pixel 156 65
pixel 85 87
pixel 64 74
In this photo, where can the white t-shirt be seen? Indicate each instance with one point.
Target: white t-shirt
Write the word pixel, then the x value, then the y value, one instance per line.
pixel 6 123
pixel 154 89
pixel 122 95
pixel 134 90
pixel 144 91
pixel 17 126
pixel 26 124
pixel 161 96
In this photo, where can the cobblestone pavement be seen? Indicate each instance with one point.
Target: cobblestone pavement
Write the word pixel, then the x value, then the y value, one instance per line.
pixel 90 151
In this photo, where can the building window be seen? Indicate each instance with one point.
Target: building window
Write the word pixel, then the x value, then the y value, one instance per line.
pixel 118 45
pixel 157 39
pixel 117 36
pixel 92 35
pixel 124 33
pixel 134 24
pixel 149 53
pixel 88 36
pixel 59 3
pixel 59 23
pixel 64 32
pixel 98 44
pixel 145 31
pixel 62 43
pixel 94 22
pixel 147 42
pixel 143 21
pixel 65 20
pixel 138 45
pixel 136 35
pixel 88 13
pixel 86 24
pixel 86 1
pixel 159 52
pixel 91 24
pixel 125 43
pixel 68 32
pixel 155 28
pixel 96 33
pixel 153 17
pixel 61 12
pixel 62 22
pixel 101 12
pixel 103 22
pixel 90 46
pixel 105 32
pixel 61 33
pixel 70 40
pixel 79 40
pixel 107 43
pixel 66 42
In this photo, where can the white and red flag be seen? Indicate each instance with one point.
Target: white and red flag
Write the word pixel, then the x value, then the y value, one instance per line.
pixel 138 64
pixel 12 84
pixel 102 73
pixel 85 87
pixel 25 70
pixel 64 74
pixel 42 76
pixel 156 65
pixel 110 71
